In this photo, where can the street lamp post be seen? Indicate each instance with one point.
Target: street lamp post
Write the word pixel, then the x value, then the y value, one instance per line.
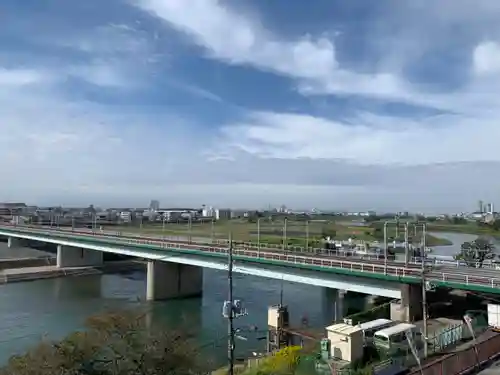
pixel 258 236
pixel 307 235
pixel 212 230
pixel 284 235
pixel 385 248
pixel 406 245
pixel 190 227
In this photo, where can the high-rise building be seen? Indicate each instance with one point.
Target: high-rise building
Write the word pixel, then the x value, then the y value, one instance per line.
pixel 154 205
pixel 481 207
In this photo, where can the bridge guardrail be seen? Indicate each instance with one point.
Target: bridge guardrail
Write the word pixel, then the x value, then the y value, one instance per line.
pixel 263 245
pixel 261 253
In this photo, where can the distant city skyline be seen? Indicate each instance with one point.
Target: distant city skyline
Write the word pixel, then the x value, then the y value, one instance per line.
pixel 83 201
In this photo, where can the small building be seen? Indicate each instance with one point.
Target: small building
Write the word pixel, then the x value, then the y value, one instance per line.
pixel 346 342
pixel 222 214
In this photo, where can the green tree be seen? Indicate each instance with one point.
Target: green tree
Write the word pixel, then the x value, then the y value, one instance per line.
pixel 495 225
pixel 474 253
pixel 283 362
pixel 328 232
pixel 113 344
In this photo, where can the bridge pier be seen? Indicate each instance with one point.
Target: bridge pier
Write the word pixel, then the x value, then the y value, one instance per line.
pixel 409 308
pixel 168 280
pixel 68 256
pixel 13 242
pixel 332 303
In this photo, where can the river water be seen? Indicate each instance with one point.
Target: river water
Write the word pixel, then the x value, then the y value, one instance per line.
pixel 55 307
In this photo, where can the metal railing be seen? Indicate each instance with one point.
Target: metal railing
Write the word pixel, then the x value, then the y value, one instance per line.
pixel 253 251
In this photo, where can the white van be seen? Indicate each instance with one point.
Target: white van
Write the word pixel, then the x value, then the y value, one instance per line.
pixel 395 337
pixel 369 328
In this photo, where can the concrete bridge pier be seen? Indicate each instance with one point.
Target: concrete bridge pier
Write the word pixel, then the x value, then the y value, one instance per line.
pixel 68 256
pixel 168 280
pixel 13 242
pixel 409 308
pixel 332 301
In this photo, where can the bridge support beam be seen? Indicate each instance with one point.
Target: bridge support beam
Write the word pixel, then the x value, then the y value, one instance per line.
pixel 168 280
pixel 332 301
pixel 68 256
pixel 409 308
pixel 13 242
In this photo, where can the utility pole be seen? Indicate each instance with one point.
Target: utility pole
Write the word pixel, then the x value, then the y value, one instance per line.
pixel 424 290
pixel 230 323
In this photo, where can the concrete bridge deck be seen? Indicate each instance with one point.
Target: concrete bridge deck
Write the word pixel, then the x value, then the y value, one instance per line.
pixel 485 280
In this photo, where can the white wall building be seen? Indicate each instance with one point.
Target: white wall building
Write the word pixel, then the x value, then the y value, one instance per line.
pixel 208 212
pixel 222 214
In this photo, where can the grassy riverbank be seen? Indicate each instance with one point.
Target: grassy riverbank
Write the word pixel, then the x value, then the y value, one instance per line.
pixel 469 228
pixel 297 233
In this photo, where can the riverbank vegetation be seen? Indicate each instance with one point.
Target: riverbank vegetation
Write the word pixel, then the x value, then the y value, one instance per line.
pixel 112 344
pixel 475 253
pixel 274 231
pixel 124 343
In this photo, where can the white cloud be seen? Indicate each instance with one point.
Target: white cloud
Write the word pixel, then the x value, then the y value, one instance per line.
pixel 368 140
pixel 17 77
pixel 487 58
pixel 236 39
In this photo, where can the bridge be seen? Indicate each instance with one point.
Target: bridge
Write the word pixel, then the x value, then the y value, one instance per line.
pixel 175 267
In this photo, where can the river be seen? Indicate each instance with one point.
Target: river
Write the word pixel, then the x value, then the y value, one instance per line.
pixel 56 307
pixel 457 240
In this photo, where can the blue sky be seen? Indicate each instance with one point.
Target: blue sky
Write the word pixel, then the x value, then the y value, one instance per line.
pixel 339 104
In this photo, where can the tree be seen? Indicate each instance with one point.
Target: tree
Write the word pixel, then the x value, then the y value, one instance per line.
pixel 474 253
pixel 284 362
pixel 328 232
pixel 113 344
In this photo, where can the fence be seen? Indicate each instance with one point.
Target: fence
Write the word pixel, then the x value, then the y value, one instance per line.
pixel 465 360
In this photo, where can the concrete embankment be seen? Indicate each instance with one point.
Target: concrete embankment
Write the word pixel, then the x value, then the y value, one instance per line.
pixel 12 275
pixel 27 262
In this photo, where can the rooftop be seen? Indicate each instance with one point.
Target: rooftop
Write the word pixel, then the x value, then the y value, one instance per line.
pixel 375 323
pixel 401 327
pixel 343 329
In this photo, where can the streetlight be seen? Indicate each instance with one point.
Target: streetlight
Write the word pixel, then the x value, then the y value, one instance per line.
pixel 406 245
pixel 385 247
pixel 258 237
pixel 212 230
pixel 284 235
pixel 307 235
